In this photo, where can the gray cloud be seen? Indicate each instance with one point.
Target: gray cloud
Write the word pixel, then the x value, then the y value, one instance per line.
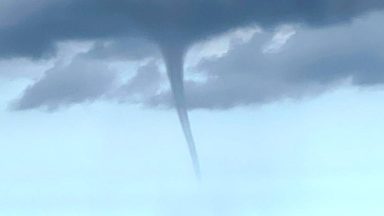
pixel 311 62
pixel 67 84
pixel 81 80
pixel 168 22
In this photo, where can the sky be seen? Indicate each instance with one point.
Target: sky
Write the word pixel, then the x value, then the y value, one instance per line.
pixel 284 101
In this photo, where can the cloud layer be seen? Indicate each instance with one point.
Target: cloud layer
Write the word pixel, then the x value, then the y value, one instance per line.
pixel 310 62
pixel 305 58
pixel 168 22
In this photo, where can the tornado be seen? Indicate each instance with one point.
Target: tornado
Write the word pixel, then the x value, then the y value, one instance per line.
pixel 174 62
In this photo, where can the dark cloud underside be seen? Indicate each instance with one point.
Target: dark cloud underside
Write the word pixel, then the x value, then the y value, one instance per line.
pixel 169 22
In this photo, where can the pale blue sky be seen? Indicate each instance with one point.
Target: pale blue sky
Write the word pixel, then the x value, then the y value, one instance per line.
pixel 320 156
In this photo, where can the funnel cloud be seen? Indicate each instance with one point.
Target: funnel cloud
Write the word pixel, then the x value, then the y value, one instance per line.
pixel 174 60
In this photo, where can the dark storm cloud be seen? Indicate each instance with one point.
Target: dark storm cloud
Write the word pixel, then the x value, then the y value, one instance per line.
pixel 168 22
pixel 124 29
pixel 311 62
